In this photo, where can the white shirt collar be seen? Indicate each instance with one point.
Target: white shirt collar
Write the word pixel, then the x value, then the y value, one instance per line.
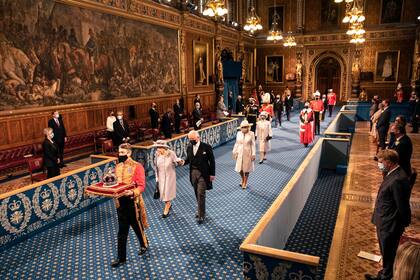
pixel 392 170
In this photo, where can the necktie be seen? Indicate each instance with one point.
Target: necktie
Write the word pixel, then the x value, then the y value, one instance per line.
pixel 122 124
pixel 57 122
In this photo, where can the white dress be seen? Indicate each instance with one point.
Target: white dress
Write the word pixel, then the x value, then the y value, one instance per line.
pixel 166 175
pixel 244 149
pixel 262 132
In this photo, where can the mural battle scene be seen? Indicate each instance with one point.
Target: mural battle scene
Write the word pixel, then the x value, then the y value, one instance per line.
pixel 52 54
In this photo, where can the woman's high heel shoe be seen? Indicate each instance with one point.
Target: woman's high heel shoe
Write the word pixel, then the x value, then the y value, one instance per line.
pixel 167 214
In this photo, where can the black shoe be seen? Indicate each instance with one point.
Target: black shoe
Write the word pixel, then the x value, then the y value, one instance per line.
pixel 372 277
pixel 169 212
pixel 196 215
pixel 200 220
pixel 117 263
pixel 142 251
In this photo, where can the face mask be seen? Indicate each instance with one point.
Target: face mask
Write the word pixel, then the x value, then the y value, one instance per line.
pixel 52 135
pixel 56 116
pixel 122 158
pixel 193 142
pixel 119 117
pixel 306 107
pixel 382 167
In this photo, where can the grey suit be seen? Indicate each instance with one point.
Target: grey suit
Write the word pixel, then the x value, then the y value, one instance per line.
pixel 391 215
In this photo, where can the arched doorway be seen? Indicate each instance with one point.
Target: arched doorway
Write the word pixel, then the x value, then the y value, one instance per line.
pixel 328 73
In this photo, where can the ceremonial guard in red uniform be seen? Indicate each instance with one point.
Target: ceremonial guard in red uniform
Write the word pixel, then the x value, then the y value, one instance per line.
pixel 306 125
pixel 267 107
pixel 332 99
pixel 130 206
pixel 317 107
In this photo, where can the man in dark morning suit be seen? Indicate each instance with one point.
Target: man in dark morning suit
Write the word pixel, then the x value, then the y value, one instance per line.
pixel 166 124
pixel 202 171
pixel 392 213
pixel 60 135
pixel 50 157
pixel 154 116
pixel 196 114
pixel 404 148
pixel 288 104
pixel 382 125
pixel 178 111
pixel 121 130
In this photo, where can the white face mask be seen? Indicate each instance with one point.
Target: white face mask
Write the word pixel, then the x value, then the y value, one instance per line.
pixel 382 167
pixel 52 135
pixel 56 116
pixel 119 117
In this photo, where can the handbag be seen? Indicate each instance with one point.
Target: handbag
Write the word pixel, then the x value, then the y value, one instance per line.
pixel 156 195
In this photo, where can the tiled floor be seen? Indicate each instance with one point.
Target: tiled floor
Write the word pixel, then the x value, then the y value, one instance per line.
pixel 354 230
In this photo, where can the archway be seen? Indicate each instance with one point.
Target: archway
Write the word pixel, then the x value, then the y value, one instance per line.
pixel 328 75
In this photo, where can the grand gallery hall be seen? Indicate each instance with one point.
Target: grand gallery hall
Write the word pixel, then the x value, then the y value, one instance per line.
pixel 218 139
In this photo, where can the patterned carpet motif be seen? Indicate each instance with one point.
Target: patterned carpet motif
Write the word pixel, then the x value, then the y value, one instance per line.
pixel 313 232
pixel 83 247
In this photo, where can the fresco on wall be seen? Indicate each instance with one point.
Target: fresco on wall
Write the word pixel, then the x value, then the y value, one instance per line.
pixel 49 58
pixel 391 11
pixel 329 12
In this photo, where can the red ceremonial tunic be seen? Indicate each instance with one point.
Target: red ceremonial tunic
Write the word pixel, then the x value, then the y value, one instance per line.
pixel 268 108
pixel 332 98
pixel 306 126
pixel 317 105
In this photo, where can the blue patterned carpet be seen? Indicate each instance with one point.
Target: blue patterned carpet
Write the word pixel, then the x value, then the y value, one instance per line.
pixel 315 228
pixel 83 246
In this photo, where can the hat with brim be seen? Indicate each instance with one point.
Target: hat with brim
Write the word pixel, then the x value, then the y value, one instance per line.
pixel 160 144
pixel 317 93
pixel 264 114
pixel 251 99
pixel 244 123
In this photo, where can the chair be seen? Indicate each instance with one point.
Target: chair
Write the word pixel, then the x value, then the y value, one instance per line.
pixel 34 165
pixel 108 148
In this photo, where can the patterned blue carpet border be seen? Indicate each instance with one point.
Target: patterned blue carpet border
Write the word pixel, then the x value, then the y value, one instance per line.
pixel 314 229
pixel 83 246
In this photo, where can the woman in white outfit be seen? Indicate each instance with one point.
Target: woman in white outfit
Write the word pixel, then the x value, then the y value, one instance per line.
pixel 264 134
pixel 244 152
pixel 165 163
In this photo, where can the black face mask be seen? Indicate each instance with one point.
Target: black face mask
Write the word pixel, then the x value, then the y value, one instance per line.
pixel 306 107
pixel 122 158
pixel 193 142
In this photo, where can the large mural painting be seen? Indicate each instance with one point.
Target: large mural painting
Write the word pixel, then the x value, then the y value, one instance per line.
pixel 53 54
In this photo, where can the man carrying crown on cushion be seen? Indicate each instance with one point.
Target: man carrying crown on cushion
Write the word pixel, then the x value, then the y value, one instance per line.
pixel 130 206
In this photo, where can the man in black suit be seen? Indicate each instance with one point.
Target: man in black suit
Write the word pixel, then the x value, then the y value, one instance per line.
pixel 178 111
pixel 392 211
pixel 166 125
pixel 288 104
pixel 197 119
pixel 154 116
pixel 202 171
pixel 239 108
pixel 278 111
pixel 121 130
pixel 382 125
pixel 50 157
pixel 60 135
pixel 404 148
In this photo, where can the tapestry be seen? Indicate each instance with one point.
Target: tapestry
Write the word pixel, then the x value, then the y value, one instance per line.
pixel 54 54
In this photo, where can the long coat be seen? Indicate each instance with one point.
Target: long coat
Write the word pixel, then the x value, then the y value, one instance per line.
pixel 262 132
pixel 244 150
pixel 166 175
pixel 306 126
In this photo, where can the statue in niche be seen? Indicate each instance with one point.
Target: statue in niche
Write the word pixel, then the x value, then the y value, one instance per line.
pixel 299 71
pixel 355 70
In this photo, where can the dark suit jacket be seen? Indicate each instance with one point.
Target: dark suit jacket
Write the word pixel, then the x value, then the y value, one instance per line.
pixel 239 106
pixel 278 106
pixel 404 148
pixel 120 132
pixel 154 118
pixel 203 161
pixel 59 130
pixel 50 153
pixel 288 103
pixel 166 123
pixel 392 208
pixel 196 116
pixel 383 122
pixel 178 111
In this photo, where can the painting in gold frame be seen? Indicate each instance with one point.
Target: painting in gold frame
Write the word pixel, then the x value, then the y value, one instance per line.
pixel 387 66
pixel 274 68
pixel 201 63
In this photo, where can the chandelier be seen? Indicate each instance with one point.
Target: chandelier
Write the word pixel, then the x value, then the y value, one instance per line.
pixel 253 22
pixel 275 34
pixel 215 8
pixel 290 40
pixel 355 18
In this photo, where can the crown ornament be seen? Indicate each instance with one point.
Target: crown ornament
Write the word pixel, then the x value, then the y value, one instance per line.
pixel 15 205
pixel 109 179
pixel 45 194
